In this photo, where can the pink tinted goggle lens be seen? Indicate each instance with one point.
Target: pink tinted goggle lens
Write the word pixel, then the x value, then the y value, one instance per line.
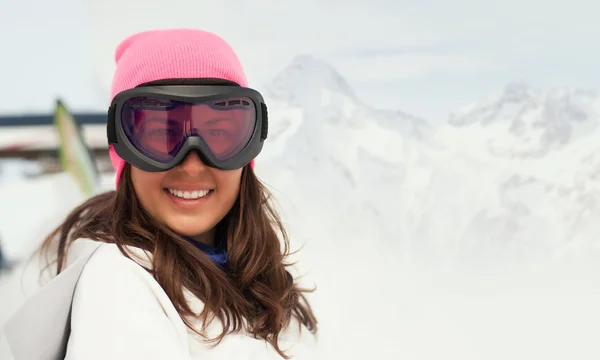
pixel 158 128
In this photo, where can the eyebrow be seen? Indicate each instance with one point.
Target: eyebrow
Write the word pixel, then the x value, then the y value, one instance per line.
pixel 216 121
pixel 169 121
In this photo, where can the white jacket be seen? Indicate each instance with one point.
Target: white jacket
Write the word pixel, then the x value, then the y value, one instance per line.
pixel 120 312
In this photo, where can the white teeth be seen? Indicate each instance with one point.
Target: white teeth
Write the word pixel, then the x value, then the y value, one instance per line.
pixel 196 194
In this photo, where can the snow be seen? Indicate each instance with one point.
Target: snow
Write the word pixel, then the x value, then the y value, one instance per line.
pixel 524 122
pixel 466 240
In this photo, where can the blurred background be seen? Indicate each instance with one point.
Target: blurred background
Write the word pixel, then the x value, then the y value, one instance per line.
pixel 438 162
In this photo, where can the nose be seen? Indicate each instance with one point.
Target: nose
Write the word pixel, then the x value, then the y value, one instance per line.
pixel 192 164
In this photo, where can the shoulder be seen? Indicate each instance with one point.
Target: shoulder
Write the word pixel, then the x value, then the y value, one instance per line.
pixel 116 298
pixel 102 252
pixel 106 271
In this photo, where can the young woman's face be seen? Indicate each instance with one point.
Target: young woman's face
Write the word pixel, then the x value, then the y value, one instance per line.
pixel 191 199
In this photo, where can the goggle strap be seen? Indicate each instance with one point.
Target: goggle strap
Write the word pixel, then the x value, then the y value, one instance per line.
pixel 111 133
pixel 265 121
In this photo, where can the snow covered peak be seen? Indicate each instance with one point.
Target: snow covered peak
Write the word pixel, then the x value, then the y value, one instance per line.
pixel 516 99
pixel 505 105
pixel 305 78
pixel 521 121
pixel 310 94
pixel 517 91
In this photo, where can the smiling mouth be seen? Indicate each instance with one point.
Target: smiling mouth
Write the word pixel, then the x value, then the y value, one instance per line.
pixel 189 195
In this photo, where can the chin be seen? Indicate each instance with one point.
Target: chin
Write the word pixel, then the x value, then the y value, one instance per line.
pixel 190 228
pixel 188 231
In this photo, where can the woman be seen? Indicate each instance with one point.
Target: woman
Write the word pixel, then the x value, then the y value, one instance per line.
pixel 191 265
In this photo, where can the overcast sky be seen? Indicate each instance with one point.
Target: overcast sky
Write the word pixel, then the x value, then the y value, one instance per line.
pixel 424 57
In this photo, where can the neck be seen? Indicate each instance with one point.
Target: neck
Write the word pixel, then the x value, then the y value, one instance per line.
pixel 206 238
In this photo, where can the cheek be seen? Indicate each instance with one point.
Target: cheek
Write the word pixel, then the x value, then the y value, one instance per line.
pixel 147 188
pixel 229 183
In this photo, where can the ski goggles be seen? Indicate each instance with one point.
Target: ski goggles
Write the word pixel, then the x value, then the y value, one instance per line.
pixel 153 127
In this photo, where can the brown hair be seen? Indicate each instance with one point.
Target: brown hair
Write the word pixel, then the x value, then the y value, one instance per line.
pixel 253 287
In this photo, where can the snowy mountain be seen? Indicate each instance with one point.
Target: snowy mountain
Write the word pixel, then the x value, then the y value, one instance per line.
pixel 541 153
pixel 298 84
pixel 353 158
pixel 476 192
pixel 524 122
pixel 325 97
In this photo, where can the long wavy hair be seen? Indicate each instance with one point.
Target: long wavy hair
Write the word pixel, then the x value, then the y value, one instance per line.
pixel 253 290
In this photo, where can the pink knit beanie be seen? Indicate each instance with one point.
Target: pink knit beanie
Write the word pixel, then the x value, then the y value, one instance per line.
pixel 171 54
